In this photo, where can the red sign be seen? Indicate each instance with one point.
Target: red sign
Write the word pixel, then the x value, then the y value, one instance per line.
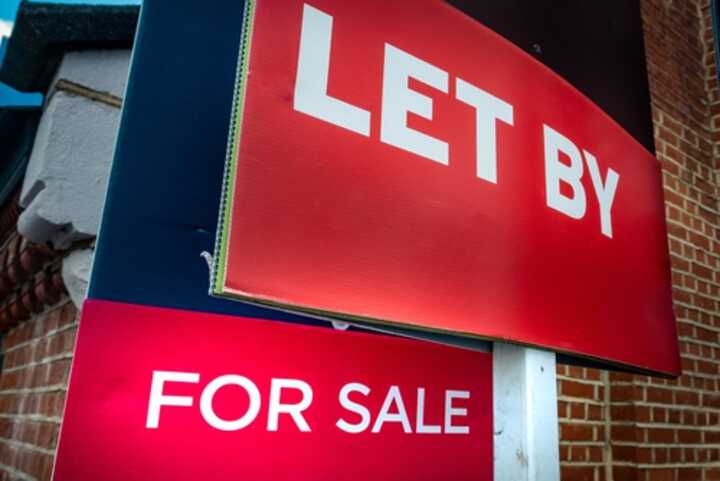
pixel 398 162
pixel 175 395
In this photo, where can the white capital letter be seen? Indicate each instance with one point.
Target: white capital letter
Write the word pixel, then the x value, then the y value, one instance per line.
pixel 451 411
pixel 157 399
pixel 605 193
pixel 556 172
pixel 393 397
pixel 398 100
pixel 354 407
pixel 311 83
pixel 488 110
pixel 208 412
pixel 420 426
pixel 294 410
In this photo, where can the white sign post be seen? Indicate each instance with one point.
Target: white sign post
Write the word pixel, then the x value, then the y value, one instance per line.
pixel 526 441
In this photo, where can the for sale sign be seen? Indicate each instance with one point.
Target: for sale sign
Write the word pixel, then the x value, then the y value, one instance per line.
pixel 399 163
pixel 177 395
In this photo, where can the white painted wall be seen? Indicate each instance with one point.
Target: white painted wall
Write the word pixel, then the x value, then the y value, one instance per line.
pixel 66 178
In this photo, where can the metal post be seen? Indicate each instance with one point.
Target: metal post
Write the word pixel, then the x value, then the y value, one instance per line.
pixel 525 413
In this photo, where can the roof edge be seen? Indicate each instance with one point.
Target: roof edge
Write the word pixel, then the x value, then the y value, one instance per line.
pixel 43 31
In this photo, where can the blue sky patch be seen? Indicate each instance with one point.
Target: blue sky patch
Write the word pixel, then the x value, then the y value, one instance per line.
pixel 8 9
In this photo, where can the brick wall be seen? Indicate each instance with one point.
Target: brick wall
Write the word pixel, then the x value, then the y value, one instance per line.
pixel 33 383
pixel 582 411
pixel 37 328
pixel 619 427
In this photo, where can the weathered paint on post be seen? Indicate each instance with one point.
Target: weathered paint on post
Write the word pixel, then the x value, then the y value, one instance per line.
pixel 525 413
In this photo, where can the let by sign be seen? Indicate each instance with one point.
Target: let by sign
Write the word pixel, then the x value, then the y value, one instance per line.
pixel 203 396
pixel 399 163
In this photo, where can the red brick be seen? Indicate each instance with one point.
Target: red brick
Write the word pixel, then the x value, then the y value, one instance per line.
pixel 625 473
pixel 661 475
pixel 660 435
pixel 712 474
pixel 625 392
pixel 68 315
pixel 662 455
pixel 47 435
pixel 577 389
pixel 689 474
pixel 595 454
pixel 58 372
pixel 711 400
pixel 622 413
pixel 577 473
pixel 564 452
pixel 594 412
pixel 658 395
pixel 707 367
pixel 624 433
pixel 687 436
pixel 687 397
pixel 577 410
pixel 576 432
pixel 624 453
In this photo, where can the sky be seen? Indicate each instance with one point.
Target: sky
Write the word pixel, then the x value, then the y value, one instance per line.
pixel 8 8
pixel 7 16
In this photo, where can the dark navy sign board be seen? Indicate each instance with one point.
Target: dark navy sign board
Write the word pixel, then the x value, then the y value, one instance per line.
pixel 162 205
pixel 161 208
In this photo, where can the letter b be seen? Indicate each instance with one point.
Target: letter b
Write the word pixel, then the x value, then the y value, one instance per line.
pixel 557 172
